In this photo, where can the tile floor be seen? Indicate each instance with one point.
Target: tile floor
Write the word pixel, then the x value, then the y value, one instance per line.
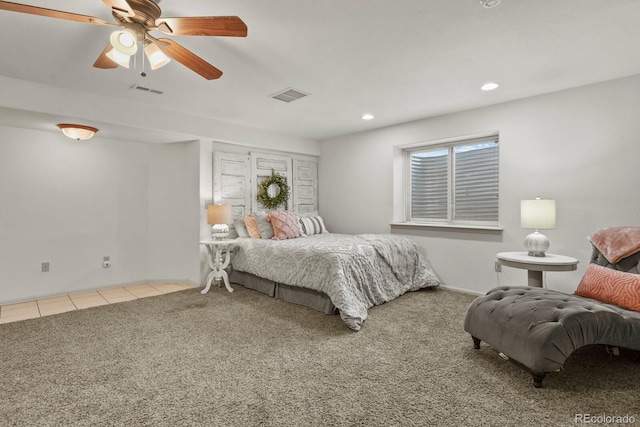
pixel 48 306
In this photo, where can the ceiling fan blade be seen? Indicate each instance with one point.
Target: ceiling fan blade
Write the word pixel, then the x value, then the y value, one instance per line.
pixel 51 13
pixel 230 26
pixel 188 59
pixel 103 61
pixel 121 7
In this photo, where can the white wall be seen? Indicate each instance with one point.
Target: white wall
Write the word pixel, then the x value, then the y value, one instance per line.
pixel 70 203
pixel 579 146
pixel 174 211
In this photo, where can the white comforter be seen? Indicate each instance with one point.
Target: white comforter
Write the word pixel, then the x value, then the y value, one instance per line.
pixel 356 272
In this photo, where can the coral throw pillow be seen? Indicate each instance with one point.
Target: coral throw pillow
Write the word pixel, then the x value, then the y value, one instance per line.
pixel 252 226
pixel 611 286
pixel 285 225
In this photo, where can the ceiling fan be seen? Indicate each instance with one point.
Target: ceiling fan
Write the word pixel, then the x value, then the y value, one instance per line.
pixel 137 18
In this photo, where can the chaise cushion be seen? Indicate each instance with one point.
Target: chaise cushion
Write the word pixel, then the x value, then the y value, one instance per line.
pixel 540 328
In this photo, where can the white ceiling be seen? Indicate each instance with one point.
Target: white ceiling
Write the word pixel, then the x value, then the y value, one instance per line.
pixel 400 60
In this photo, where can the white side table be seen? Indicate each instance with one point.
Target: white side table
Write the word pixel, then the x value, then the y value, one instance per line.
pixel 214 249
pixel 536 265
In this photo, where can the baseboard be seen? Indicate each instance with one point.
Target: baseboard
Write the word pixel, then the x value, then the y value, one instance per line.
pixel 462 290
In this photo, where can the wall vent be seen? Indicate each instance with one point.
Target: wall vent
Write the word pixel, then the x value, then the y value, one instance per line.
pixel 289 95
pixel 146 89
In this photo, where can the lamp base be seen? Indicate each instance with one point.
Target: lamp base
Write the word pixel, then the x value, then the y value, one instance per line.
pixel 536 243
pixel 219 231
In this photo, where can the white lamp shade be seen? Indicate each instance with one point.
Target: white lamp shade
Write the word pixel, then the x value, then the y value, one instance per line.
pixel 155 56
pixel 538 214
pixel 124 41
pixel 119 58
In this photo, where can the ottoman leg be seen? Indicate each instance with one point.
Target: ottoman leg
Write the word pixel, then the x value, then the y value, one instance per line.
pixel 537 379
pixel 476 342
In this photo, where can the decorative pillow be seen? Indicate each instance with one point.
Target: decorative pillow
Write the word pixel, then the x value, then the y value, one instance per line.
pixel 252 226
pixel 611 286
pixel 264 226
pixel 312 225
pixel 285 225
pixel 241 228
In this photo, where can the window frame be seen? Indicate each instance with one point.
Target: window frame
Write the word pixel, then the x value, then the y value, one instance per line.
pixel 449 145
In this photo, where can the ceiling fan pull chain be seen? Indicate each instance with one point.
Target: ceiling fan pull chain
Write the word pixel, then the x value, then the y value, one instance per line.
pixel 142 73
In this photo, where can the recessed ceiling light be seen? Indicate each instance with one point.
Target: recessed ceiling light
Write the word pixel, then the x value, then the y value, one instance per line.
pixel 367 116
pixel 489 86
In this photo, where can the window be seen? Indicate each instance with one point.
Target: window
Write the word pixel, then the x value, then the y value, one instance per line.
pixel 454 183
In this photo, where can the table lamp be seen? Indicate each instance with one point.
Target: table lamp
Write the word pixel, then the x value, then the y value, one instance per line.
pixel 537 214
pixel 220 216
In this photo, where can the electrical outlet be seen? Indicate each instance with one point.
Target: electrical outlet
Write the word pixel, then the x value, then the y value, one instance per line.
pixel 45 267
pixel 498 267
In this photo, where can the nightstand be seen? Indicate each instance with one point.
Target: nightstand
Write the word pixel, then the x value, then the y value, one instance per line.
pixel 536 265
pixel 216 263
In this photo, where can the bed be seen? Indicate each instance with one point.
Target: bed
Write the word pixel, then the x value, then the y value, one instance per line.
pixel 332 272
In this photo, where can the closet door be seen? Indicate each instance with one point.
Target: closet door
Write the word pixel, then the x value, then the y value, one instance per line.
pixel 305 191
pixel 262 166
pixel 231 182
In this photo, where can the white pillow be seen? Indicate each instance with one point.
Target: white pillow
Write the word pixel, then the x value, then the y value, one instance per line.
pixel 241 229
pixel 312 225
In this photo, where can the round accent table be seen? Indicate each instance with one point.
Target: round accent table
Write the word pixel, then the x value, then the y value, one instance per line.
pixel 536 265
pixel 217 265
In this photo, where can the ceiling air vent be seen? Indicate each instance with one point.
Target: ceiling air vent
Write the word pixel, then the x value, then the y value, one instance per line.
pixel 146 89
pixel 289 95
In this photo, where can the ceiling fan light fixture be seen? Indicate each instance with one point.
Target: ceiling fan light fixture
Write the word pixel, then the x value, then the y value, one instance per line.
pixel 124 41
pixel 77 132
pixel 155 56
pixel 119 58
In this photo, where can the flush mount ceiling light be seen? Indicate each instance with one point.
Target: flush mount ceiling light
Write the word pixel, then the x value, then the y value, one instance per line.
pixel 77 132
pixel 489 86
pixel 490 3
pixel 367 116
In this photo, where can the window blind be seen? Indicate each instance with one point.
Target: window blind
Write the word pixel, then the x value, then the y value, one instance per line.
pixel 476 183
pixel 456 182
pixel 429 186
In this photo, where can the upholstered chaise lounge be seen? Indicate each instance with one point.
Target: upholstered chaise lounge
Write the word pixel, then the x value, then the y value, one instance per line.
pixel 541 328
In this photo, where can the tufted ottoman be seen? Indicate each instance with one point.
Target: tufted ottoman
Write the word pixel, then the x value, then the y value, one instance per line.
pixel 540 328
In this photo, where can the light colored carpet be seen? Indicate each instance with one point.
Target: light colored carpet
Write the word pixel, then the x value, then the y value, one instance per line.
pixel 243 358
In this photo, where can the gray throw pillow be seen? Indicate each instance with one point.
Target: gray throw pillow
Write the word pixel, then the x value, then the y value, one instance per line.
pixel 264 227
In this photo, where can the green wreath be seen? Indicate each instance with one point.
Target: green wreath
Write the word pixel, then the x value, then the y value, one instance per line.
pixel 277 200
